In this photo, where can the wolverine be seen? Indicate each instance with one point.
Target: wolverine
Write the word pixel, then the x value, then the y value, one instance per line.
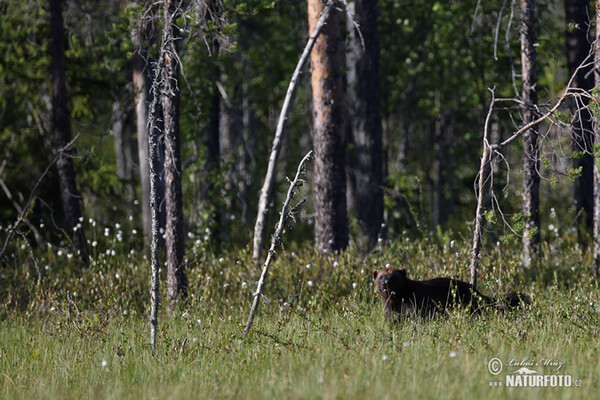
pixel 401 295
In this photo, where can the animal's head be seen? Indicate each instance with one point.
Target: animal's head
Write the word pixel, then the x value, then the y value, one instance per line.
pixel 389 281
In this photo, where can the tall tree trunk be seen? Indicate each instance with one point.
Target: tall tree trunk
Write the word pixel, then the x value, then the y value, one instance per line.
pixel 62 135
pixel 365 112
pixel 578 48
pixel 141 35
pixel 531 163
pixel 331 223
pixel 174 240
pixel 597 141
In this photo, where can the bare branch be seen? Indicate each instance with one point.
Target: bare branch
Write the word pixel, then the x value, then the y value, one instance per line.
pixel 276 239
pixel 569 92
pixel 485 159
pixel 25 208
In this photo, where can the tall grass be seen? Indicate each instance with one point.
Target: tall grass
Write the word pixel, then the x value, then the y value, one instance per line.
pixel 319 333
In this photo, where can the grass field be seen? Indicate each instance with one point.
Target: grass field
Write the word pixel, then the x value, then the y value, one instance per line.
pixel 78 335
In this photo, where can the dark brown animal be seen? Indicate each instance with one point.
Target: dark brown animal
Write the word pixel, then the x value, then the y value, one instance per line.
pixel 401 295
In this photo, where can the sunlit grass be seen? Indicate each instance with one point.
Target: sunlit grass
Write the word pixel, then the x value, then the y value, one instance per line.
pixel 319 333
pixel 345 351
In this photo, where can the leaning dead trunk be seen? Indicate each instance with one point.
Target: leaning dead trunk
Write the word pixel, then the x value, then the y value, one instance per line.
pixel 481 178
pixel 286 213
pixel 267 188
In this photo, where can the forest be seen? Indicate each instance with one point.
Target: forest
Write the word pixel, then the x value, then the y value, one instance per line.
pixel 200 198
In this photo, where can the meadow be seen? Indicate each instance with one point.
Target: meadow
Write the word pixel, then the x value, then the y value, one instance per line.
pixel 319 333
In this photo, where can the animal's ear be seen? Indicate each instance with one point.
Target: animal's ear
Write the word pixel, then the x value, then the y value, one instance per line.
pixel 375 273
pixel 402 272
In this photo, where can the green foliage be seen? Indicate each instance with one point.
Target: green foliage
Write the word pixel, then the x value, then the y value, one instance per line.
pixel 578 155
pixel 571 27
pixel 574 173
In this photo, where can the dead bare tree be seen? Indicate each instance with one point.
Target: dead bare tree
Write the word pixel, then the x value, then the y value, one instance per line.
pixel 153 158
pixel 491 150
pixel 596 119
pixel 267 188
pixel 286 213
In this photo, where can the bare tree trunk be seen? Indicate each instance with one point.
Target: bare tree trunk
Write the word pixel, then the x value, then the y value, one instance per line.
pixel 531 163
pixel 174 240
pixel 154 163
pixel 331 222
pixel 365 114
pixel 62 136
pixel 597 142
pixel 286 213
pixel 578 47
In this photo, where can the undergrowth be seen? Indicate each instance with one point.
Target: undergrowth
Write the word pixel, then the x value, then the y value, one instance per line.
pixel 319 331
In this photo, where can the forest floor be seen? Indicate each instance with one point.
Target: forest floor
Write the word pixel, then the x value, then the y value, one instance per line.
pixel 317 335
